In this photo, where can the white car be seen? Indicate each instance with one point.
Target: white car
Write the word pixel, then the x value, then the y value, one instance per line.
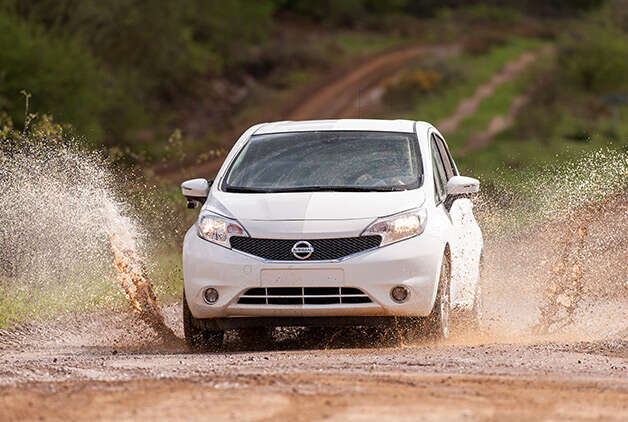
pixel 331 223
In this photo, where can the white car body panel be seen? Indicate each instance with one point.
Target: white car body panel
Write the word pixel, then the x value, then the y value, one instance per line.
pixel 313 205
pixel 414 263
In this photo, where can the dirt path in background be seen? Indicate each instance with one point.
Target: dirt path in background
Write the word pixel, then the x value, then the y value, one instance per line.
pixel 339 99
pixel 334 97
pixel 497 124
pixel 502 122
pixel 468 106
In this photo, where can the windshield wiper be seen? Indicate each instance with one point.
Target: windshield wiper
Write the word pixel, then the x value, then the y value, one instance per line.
pixel 239 189
pixel 316 189
pixel 336 189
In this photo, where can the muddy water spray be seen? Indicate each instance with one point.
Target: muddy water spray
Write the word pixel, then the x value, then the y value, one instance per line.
pixel 61 224
pixel 556 250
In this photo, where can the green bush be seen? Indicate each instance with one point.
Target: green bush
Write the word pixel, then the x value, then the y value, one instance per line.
pixel 489 14
pixel 411 86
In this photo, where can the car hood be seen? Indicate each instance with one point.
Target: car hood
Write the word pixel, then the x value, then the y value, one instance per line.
pixel 300 206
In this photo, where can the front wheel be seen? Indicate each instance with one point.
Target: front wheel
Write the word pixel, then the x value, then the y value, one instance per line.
pixel 438 320
pixel 195 337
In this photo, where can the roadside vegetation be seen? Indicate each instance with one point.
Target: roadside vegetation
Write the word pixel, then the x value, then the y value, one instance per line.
pixel 569 110
pixel 569 107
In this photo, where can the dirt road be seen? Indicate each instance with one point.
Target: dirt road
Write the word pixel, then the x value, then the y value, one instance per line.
pixel 108 366
pixel 339 99
pixel 83 374
pixel 334 96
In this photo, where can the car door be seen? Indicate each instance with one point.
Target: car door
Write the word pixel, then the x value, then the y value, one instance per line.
pixel 466 241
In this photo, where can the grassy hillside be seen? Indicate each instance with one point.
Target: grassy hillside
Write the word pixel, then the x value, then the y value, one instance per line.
pixel 568 94
pixel 568 112
pixel 126 73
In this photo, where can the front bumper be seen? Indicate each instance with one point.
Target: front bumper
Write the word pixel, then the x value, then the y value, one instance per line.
pixel 413 263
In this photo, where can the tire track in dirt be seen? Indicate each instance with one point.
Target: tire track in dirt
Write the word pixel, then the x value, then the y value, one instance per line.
pixel 502 122
pixel 467 107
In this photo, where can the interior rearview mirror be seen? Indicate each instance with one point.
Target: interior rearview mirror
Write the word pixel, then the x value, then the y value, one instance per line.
pixel 460 187
pixel 196 191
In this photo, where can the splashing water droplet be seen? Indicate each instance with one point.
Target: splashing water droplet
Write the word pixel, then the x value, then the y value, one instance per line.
pixel 60 224
pixel 555 247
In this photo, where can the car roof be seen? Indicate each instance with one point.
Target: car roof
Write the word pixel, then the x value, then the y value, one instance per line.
pixel 406 126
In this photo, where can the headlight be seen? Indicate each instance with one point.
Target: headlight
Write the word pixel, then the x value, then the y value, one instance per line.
pixel 398 227
pixel 219 229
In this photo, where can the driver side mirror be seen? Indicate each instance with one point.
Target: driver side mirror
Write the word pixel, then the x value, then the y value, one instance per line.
pixel 460 187
pixel 196 191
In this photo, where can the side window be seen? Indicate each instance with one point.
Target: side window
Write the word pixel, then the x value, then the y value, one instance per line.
pixel 450 169
pixel 440 177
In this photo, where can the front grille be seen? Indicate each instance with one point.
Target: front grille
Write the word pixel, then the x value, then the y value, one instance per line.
pixel 303 296
pixel 324 249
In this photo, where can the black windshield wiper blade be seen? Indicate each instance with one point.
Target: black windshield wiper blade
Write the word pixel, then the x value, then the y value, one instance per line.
pixel 337 189
pixel 240 189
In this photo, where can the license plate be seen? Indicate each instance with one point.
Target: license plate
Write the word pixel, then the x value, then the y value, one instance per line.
pixel 302 277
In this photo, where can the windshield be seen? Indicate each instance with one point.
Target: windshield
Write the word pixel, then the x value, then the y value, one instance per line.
pixel 326 161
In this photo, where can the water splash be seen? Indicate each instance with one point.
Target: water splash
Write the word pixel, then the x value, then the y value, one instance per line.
pixel 62 225
pixel 131 275
pixel 555 250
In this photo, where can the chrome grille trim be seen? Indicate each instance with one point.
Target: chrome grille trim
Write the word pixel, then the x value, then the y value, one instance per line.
pixel 303 296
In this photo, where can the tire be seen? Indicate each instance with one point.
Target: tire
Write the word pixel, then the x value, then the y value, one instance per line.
pixel 256 337
pixel 196 338
pixel 439 318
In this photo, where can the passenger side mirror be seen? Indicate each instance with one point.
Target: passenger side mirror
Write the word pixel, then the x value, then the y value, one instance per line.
pixel 460 187
pixel 196 191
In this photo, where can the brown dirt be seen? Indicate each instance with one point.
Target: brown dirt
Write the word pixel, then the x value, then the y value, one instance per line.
pixel 54 375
